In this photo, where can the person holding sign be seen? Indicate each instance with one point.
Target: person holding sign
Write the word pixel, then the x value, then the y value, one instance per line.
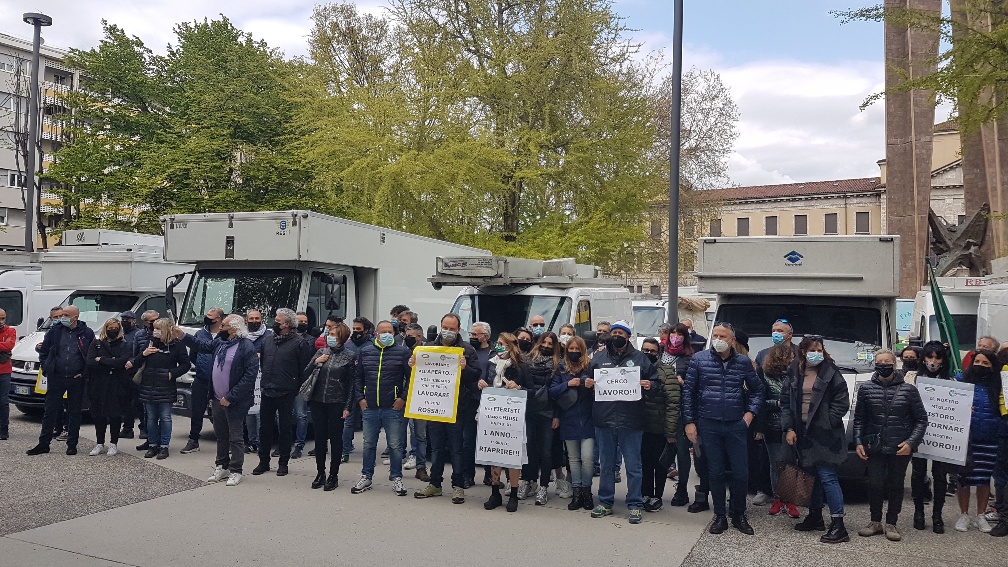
pixel 619 375
pixel 933 363
pixel 985 429
pixel 721 396
pixel 506 369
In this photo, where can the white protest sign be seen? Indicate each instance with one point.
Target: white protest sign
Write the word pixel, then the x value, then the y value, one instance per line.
pixel 500 430
pixel 256 396
pixel 618 384
pixel 949 405
pixel 434 384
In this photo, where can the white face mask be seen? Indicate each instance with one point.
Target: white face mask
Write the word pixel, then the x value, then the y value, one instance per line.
pixel 564 339
pixel 720 345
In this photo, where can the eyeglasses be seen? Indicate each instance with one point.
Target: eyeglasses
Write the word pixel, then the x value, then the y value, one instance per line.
pixel 724 324
pixel 536 325
pixel 649 351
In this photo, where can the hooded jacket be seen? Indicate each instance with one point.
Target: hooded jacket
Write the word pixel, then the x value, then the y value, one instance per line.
pixel 382 374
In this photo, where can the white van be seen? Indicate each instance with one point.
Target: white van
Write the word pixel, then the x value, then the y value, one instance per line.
pixel 649 314
pixel 992 313
pixel 962 297
pixel 27 304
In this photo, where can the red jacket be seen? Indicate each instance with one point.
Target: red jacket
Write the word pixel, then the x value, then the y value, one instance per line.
pixel 8 336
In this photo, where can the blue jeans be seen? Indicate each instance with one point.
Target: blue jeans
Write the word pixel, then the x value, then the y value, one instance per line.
pixel 5 386
pixel 446 441
pixel 619 455
pixel 349 425
pixel 418 441
pixel 252 425
pixel 301 419
pixel 391 421
pixel 611 441
pixel 580 454
pixel 724 443
pixel 827 487
pixel 159 424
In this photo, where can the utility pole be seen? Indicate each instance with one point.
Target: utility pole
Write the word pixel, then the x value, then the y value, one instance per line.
pixel 37 21
pixel 674 151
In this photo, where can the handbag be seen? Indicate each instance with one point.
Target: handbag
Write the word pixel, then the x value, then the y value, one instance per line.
pixel 567 399
pixel 309 385
pixel 668 456
pixel 540 400
pixel 794 485
pixel 138 375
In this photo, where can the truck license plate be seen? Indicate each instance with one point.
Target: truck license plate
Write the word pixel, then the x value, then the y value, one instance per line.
pixel 22 390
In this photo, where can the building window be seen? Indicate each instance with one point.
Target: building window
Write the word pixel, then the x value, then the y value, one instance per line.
pixel 655 229
pixel 770 226
pixel 742 226
pixel 655 290
pixel 800 225
pixel 59 79
pixel 15 179
pixel 962 219
pixel 862 224
pixel 3 216
pixel 830 224
pixel 640 289
pixel 715 227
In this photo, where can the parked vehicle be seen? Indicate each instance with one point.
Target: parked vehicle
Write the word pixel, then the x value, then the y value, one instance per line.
pixel 962 297
pixel 649 314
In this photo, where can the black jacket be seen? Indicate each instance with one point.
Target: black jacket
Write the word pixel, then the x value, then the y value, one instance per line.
pixel 823 440
pixel 244 368
pixel 540 374
pixel 905 421
pixel 283 359
pixel 63 353
pixel 108 380
pixel 160 371
pixel 334 383
pixel 628 415
pixel 469 392
pixel 382 374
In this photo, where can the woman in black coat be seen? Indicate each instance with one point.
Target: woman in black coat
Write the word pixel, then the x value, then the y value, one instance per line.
pixel 164 361
pixel 932 362
pixel 330 401
pixel 541 419
pixel 814 400
pixel 108 384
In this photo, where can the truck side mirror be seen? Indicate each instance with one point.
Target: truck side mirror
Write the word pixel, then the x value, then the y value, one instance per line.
pixel 590 337
pixel 38 324
pixel 432 332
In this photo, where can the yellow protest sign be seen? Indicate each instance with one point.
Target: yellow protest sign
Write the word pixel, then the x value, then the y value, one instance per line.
pixel 434 384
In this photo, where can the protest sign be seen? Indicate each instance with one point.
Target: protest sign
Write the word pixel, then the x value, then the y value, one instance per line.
pixel 617 384
pixel 500 433
pixel 42 384
pixel 256 396
pixel 434 384
pixel 949 405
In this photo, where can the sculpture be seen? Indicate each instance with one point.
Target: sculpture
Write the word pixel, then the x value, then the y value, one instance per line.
pixel 960 245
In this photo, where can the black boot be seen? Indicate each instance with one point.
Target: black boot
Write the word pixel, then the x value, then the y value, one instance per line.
pixel 495 499
pixel 331 482
pixel 319 480
pixel 680 498
pixel 837 532
pixel 937 523
pixel 577 500
pixel 699 503
pixel 512 505
pixel 813 522
pixel 918 520
pixel 587 500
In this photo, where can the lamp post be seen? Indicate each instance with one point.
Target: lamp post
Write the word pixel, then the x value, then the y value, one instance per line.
pixel 674 156
pixel 37 21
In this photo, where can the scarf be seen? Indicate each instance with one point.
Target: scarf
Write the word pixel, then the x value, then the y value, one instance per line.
pixel 502 364
pixel 668 358
pixel 221 352
pixel 255 336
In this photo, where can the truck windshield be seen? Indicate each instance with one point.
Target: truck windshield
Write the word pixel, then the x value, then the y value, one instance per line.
pixel 505 313
pixel 96 308
pixel 851 334
pixel 237 291
pixel 965 328
pixel 647 319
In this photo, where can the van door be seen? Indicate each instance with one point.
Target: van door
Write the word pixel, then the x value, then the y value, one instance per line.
pixel 582 317
pixel 327 295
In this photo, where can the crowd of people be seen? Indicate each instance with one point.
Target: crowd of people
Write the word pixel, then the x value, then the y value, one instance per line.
pixel 733 420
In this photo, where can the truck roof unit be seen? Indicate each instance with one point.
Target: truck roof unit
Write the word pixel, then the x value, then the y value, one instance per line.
pixel 504 271
pixel 105 260
pixel 860 266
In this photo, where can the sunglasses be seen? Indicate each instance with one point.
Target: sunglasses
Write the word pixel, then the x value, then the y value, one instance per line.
pixel 724 324
pixel 815 338
pixel 782 321
pixel 649 351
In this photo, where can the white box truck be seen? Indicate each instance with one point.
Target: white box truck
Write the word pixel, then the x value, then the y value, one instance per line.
pixel 843 288
pixel 103 273
pixel 962 297
pixel 505 292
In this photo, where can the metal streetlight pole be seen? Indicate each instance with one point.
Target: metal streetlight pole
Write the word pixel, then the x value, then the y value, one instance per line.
pixel 37 21
pixel 674 155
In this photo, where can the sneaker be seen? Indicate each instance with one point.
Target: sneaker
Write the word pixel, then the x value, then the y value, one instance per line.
pixel 541 496
pixel 619 477
pixel 112 450
pixel 151 453
pixel 297 452
pixel 458 495
pixel 410 463
pixel 872 529
pixel 218 475
pixel 397 487
pixel 776 508
pixel 251 448
pixel 652 504
pixel 62 436
pixel 963 523
pixel 523 487
pixel 162 454
pixel 761 499
pixel 601 511
pixel 564 488
pixel 891 533
pixel 98 450
pixel 1000 530
pixel 636 517
pixel 430 492
pixel 992 515
pixel 363 483
pixel 190 447
pixel 233 479
pixel 421 474
pixel 792 510
pixel 983 525
pixel 345 458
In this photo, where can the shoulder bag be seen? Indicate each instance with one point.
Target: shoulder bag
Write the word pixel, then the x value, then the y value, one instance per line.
pixel 793 484
pixel 309 385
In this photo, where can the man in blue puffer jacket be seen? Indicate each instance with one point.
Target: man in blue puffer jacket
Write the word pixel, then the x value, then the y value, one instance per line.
pixel 721 396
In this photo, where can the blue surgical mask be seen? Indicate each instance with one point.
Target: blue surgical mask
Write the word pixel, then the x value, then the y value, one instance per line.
pixel 778 337
pixel 814 357
pixel 331 341
pixel 65 321
pixel 538 330
pixel 386 339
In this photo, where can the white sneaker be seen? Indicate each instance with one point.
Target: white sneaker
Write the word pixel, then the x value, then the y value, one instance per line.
pixel 219 474
pixel 112 450
pixel 982 524
pixel 761 499
pixel 98 450
pixel 363 483
pixel 564 488
pixel 410 463
pixel 541 496
pixel 233 479
pixel 963 523
pixel 398 488
pixel 523 486
pixel 386 460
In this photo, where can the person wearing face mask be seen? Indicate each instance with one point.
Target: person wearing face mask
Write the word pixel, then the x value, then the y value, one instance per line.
pixel 540 419
pixel 677 351
pixel 537 324
pixel 619 425
pixel 107 387
pixel 986 428
pixel 576 428
pixel 331 321
pixel 165 360
pixel 506 369
pixel 131 411
pixel 330 400
pixel 202 365
pixel 525 341
pixel 446 439
pixel 417 457
pixel 257 333
pixel 302 325
pixel 889 423
pixel 932 361
pixel 479 338
pixel 141 339
pixel 381 384
pixel 661 423
pixel 601 337
pixel 814 401
pixel 718 411
pixel 8 337
pixel 361 333
pixel 774 372
pixel 63 358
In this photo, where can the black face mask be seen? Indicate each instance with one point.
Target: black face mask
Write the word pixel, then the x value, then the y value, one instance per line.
pixel 410 341
pixel 112 334
pixel 302 328
pixel 981 372
pixel 884 370
pixel 524 345
pixel 652 357
pixel 617 342
pixel 601 339
pixel 254 327
pixel 276 328
pixel 546 351
pixel 208 322
pixel 910 364
pixel 476 343
pixel 127 325
pixel 149 327
pixel 223 335
pixel 573 356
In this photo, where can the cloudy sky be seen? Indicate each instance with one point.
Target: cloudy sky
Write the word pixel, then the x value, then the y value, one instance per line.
pixel 797 74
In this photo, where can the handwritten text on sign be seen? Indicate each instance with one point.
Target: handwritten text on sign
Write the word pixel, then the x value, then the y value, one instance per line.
pixel 434 385
pixel 948 405
pixel 500 433
pixel 617 384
